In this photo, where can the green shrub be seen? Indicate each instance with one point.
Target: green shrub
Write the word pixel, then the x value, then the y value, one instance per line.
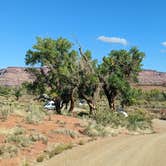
pixel 40 158
pixel 17 92
pixel 18 131
pixel 19 140
pixel 5 110
pixel 5 91
pixel 139 119
pixel 67 132
pixel 106 117
pixel 8 151
pixel 38 137
pixel 94 130
pixel 4 113
pixel 35 114
pixel 154 95
pixel 59 149
pixel 18 137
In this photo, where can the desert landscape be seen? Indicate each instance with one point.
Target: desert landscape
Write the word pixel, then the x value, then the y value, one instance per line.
pixel 82 83
pixel 30 135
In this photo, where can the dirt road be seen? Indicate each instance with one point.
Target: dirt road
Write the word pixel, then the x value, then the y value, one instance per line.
pixel 142 150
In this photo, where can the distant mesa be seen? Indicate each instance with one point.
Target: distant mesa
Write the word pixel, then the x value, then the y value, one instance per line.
pixel 152 77
pixel 15 76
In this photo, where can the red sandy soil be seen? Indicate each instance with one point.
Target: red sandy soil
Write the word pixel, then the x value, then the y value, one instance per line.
pixel 31 152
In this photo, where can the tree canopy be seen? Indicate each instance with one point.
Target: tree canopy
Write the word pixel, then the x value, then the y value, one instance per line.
pixel 117 71
pixel 62 73
pixel 57 72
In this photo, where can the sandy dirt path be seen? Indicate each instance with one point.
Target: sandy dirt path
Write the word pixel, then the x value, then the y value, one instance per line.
pixel 142 150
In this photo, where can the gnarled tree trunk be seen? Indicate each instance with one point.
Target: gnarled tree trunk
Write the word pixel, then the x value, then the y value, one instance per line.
pixel 110 94
pixel 72 100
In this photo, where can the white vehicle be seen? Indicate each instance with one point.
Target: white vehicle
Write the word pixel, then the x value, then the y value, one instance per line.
pixel 50 105
pixel 82 102
pixel 121 111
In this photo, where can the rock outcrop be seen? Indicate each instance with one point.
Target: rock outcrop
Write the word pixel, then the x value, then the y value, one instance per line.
pixel 14 76
pixel 152 77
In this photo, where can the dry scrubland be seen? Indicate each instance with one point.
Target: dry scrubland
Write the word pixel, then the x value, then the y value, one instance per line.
pixel 29 134
pixel 140 150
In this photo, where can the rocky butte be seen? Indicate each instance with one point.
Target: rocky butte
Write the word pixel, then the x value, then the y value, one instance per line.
pixel 14 76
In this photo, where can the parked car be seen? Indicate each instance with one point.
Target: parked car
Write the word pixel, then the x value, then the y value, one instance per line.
pixel 82 102
pixel 50 105
pixel 121 111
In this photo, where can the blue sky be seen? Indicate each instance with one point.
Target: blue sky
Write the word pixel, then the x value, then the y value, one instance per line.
pixel 132 23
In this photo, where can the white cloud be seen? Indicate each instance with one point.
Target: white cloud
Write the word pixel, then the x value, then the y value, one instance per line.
pixel 164 44
pixel 116 40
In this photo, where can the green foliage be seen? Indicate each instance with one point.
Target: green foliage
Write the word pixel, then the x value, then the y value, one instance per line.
pixel 38 137
pixel 35 114
pixel 7 151
pixel 94 130
pixel 5 91
pixel 18 92
pixel 59 149
pixel 154 95
pixel 18 131
pixel 58 72
pixel 40 158
pixel 139 119
pixel 118 69
pixel 88 77
pixel 19 140
pixel 68 132
pixel 63 72
pixel 4 114
pixel 129 96
pixel 5 111
pixel 18 137
pixel 106 117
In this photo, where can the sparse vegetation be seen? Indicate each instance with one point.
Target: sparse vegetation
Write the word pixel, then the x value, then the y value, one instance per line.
pixel 139 119
pixel 105 117
pixel 4 112
pixel 67 77
pixel 59 149
pixel 68 132
pixel 38 137
pixel 41 158
pixel 95 130
pixel 8 151
pixel 21 139
pixel 18 139
pixel 35 114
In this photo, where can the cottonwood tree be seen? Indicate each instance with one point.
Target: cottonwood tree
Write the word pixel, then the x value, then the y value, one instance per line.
pixel 117 71
pixel 56 73
pixel 88 87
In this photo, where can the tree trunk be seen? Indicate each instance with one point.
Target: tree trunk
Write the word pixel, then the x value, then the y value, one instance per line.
pixel 110 97
pixel 71 101
pixel 91 105
pixel 71 105
pixel 57 102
